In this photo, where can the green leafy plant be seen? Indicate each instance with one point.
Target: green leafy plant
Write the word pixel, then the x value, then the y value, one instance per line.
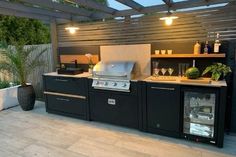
pixel 33 31
pixel 4 84
pixel 217 70
pixel 20 61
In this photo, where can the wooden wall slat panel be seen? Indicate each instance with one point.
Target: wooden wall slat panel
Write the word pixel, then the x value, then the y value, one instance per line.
pixel 193 26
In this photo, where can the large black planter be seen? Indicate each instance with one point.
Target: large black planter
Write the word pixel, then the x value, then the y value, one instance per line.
pixel 26 97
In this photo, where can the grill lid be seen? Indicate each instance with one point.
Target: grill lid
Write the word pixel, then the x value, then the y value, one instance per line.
pixel 117 70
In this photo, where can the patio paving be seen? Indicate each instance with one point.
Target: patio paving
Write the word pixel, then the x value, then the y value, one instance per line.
pixel 37 133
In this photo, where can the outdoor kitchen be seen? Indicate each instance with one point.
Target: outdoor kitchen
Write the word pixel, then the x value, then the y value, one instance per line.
pixel 132 78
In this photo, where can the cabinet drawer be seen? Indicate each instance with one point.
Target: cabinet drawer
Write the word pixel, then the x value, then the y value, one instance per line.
pixel 76 86
pixel 66 104
pixel 114 109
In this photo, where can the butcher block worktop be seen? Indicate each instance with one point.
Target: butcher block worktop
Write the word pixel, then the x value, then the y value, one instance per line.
pixel 85 74
pixel 184 81
pixel 165 80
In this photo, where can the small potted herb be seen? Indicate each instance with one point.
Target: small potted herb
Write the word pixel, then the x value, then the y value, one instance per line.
pixel 217 70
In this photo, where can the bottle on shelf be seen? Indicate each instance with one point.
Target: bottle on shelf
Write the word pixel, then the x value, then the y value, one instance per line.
pixel 197 48
pixel 217 44
pixel 206 49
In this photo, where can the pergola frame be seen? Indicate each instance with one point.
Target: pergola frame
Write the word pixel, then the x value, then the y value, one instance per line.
pixel 47 9
pixel 57 13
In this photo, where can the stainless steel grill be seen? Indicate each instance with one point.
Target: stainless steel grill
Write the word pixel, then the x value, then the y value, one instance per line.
pixel 113 76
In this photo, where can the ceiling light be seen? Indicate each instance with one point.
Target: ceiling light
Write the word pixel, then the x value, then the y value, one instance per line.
pixel 168 19
pixel 72 29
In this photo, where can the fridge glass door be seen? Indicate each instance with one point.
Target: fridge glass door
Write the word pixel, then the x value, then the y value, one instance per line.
pixel 199 113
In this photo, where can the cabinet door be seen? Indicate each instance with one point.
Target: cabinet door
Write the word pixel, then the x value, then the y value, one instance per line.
pixel 76 86
pixel 163 107
pixel 114 109
pixel 68 105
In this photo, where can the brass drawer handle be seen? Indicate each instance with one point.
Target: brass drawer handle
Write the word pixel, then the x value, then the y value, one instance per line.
pixel 65 95
pixel 163 88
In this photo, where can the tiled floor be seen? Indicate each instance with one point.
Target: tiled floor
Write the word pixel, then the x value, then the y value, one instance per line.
pixel 39 134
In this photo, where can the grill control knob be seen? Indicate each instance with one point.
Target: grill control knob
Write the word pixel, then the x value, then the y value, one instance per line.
pixel 124 85
pixel 114 83
pixel 106 83
pixel 97 83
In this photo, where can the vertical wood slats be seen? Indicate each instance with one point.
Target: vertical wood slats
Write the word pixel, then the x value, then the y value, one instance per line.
pixel 148 29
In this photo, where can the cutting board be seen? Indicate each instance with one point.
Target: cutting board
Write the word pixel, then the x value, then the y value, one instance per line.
pixel 199 80
pixel 163 78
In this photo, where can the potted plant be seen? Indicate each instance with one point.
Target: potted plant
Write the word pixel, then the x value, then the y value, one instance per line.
pixel 217 70
pixel 20 62
pixel 90 62
pixel 8 94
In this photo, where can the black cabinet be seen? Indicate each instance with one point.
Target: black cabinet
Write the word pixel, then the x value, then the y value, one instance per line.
pixel 66 105
pixel 69 85
pixel 114 108
pixel 66 96
pixel 163 109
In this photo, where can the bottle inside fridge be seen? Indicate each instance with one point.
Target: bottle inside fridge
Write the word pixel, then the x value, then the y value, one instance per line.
pixel 199 113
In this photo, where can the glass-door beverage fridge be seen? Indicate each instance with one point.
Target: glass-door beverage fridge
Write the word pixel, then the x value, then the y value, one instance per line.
pixel 199 114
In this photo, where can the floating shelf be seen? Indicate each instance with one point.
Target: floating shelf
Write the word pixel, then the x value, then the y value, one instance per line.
pixel 219 55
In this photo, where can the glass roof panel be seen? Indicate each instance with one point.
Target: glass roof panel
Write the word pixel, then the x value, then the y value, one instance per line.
pixel 116 5
pixel 147 3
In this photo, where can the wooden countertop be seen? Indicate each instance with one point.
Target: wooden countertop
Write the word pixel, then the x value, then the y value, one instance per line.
pixel 85 74
pixel 184 81
pixel 160 79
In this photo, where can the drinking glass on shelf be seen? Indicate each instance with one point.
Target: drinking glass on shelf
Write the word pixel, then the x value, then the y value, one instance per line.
pixel 163 71
pixel 170 71
pixel 155 68
pixel 180 65
pixel 183 69
pixel 156 72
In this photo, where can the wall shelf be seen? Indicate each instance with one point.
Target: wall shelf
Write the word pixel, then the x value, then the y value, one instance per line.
pixel 219 55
